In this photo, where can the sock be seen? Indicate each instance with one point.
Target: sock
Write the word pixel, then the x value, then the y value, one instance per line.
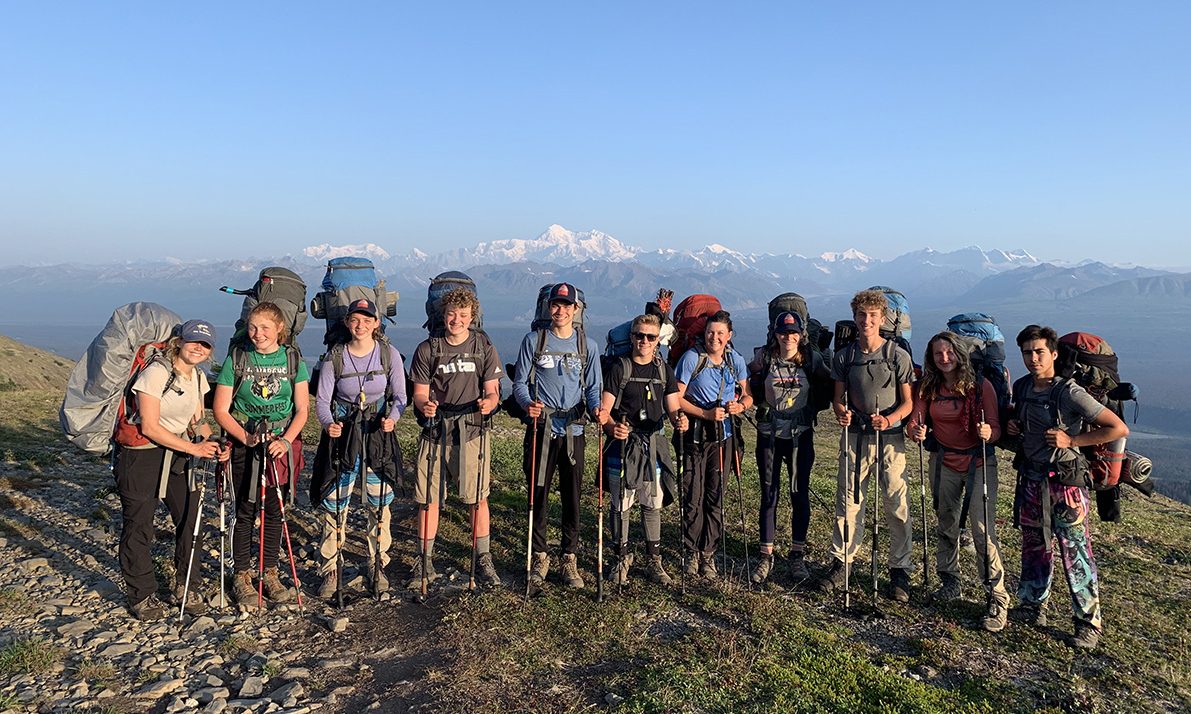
pixel 651 520
pixel 428 545
pixel 482 543
pixel 767 548
pixel 653 547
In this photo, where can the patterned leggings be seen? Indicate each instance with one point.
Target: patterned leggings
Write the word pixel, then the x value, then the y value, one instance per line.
pixel 1069 508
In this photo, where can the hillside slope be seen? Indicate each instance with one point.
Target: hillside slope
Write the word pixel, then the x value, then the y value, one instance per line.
pixel 25 367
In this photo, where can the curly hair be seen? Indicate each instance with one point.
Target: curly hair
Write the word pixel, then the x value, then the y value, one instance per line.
pixel 275 314
pixel 868 300
pixel 932 377
pixel 461 297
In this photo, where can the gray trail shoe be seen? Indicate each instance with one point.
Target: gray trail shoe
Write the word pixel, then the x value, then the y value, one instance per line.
pixel 415 574
pixel 148 609
pixel 764 566
pixel 570 571
pixel 330 584
pixel 948 589
pixel 1086 636
pixel 994 619
pixel 196 604
pixel 899 585
pixel 796 567
pixel 707 565
pixel 244 591
pixel 835 577
pixel 656 572
pixel 619 572
pixel 486 570
pixel 540 568
pixel 275 590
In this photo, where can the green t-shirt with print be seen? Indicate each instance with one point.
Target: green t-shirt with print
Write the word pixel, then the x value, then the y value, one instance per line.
pixel 265 390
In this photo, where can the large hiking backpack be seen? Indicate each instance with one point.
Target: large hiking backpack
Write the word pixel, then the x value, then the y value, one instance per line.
pixel 98 408
pixel 618 342
pixel 818 339
pixel 347 280
pixel 985 344
pixel 442 284
pixel 541 326
pixel 895 328
pixel 280 286
pixel 690 321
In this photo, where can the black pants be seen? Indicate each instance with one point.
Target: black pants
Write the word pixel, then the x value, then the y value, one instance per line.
pixel 570 477
pixel 137 473
pixel 246 508
pixel 772 477
pixel 702 494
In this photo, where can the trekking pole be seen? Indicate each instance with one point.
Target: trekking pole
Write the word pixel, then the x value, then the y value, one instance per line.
pixel 442 427
pixel 987 525
pixel 533 483
pixel 925 529
pixel 364 495
pixel 475 507
pixel 220 492
pixel 340 524
pixel 289 547
pixel 681 510
pixel 848 487
pixel 600 508
pixel 876 504
pixel 744 536
pixel 719 440
pixel 260 510
pixel 198 521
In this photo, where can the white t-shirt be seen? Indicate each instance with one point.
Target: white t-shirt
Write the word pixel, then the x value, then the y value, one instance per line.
pixel 180 402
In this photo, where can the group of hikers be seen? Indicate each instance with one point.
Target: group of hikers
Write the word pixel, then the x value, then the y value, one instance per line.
pixel 560 384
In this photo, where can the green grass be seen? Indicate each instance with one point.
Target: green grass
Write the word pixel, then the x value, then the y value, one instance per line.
pixel 28 656
pixel 97 672
pixel 235 644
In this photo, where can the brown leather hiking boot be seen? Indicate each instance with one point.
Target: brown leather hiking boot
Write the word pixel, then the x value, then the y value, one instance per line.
pixel 834 579
pixel 274 589
pixel 994 619
pixel 764 566
pixel 244 590
pixel 330 584
pixel 656 572
pixel 540 568
pixel 570 571
pixel 619 572
pixel 148 609
pixel 486 570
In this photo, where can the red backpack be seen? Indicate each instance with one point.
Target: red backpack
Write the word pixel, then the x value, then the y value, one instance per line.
pixel 690 321
pixel 128 423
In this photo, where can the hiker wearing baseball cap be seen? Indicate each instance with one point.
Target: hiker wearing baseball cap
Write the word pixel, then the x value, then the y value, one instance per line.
pixel 780 376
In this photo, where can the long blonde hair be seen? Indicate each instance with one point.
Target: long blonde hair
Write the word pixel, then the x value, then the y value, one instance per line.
pixel 932 377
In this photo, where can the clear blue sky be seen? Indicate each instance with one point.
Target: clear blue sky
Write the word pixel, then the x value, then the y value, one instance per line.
pixel 256 128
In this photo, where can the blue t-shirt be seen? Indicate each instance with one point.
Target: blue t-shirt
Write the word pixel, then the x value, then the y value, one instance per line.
pixel 556 377
pixel 715 384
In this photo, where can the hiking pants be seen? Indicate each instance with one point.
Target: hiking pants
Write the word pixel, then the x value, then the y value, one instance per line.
pixel 947 490
pixel 702 494
pixel 336 503
pixel 772 456
pixel 622 500
pixel 1069 524
pixel 862 465
pixel 246 528
pixel 137 474
pixel 570 477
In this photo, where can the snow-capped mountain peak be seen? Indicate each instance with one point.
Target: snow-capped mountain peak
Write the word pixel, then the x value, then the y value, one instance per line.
pixel 849 254
pixel 326 251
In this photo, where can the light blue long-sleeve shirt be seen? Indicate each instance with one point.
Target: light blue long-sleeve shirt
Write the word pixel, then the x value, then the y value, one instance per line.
pixel 557 376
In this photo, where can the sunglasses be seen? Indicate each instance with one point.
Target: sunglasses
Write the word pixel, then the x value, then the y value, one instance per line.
pixel 647 336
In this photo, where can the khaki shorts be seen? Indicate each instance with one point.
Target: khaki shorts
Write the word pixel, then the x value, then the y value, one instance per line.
pixel 461 467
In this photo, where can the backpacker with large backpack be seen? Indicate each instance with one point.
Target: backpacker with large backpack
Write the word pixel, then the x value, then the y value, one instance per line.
pixel 985 344
pixel 896 326
pixel 690 322
pixel 618 342
pixel 436 329
pixel 280 286
pixel 347 280
pixel 99 409
pixel 541 327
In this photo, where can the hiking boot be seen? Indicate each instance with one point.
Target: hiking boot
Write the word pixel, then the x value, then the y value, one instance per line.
pixel 619 573
pixel 691 569
pixel 764 565
pixel 540 569
pixel 899 585
pixel 377 581
pixel 994 619
pixel 966 542
pixel 274 589
pixel 707 565
pixel 486 570
pixel 244 591
pixel 196 604
pixel 330 584
pixel 148 609
pixel 1086 636
pixel 834 579
pixel 415 574
pixel 796 567
pixel 1034 615
pixel 570 571
pixel 655 572
pixel 949 589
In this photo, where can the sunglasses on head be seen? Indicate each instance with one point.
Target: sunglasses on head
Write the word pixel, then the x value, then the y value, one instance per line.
pixel 647 336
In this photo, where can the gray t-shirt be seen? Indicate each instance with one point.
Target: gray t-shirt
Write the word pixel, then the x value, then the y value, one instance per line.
pixel 873 378
pixel 787 391
pixel 1075 408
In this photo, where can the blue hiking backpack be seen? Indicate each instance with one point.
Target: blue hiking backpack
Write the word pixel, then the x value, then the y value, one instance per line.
pixel 986 348
pixel 348 280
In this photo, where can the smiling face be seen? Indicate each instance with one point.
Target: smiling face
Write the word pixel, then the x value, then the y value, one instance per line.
pixel 716 337
pixel 562 314
pixel 645 341
pixel 788 343
pixel 263 332
pixel 194 353
pixel 868 321
pixel 457 321
pixel 1039 359
pixel 360 325
pixel 943 354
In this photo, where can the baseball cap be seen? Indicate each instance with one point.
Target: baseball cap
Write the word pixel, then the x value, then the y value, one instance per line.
pixel 363 305
pixel 787 322
pixel 198 331
pixel 564 292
